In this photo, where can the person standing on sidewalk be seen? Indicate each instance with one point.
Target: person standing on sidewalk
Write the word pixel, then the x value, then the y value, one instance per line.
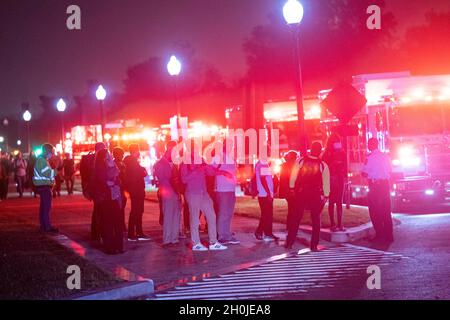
pixel 225 192
pixel 108 198
pixel 6 165
pixel 118 154
pixel 193 175
pixel 336 159
pixel 166 173
pixel 135 185
pixel 69 173
pixel 57 165
pixel 43 179
pixel 265 189
pixel 377 170
pixel 284 191
pixel 310 184
pixel 20 173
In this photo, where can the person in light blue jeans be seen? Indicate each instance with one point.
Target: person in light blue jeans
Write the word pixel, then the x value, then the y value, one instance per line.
pixel 225 193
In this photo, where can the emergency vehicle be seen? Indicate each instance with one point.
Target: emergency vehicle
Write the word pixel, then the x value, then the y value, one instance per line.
pixel 410 116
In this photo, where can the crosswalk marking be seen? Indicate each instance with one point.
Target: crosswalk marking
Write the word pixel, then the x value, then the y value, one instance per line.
pixel 292 274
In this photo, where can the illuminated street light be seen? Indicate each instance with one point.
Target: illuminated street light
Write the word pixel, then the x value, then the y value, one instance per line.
pixel 2 139
pixel 293 14
pixel 61 107
pixel 27 118
pixel 174 69
pixel 19 142
pixel 101 96
pixel 174 66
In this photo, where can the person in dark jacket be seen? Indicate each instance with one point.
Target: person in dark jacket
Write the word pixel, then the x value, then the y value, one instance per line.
pixel 118 154
pixel 336 159
pixel 135 185
pixel 284 191
pixel 108 198
pixel 69 172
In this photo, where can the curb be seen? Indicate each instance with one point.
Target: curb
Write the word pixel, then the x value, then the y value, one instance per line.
pixel 123 291
pixel 350 235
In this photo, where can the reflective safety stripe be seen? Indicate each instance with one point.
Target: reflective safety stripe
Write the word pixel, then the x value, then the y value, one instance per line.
pixel 37 176
pixel 45 169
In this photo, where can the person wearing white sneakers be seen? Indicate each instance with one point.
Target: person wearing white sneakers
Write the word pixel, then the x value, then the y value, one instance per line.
pixel 194 177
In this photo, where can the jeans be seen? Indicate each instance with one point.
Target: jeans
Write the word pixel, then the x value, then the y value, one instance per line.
pixel 201 202
pixel 111 225
pixel 20 180
pixel 136 212
pixel 266 220
pixel 45 194
pixel 69 184
pixel 226 201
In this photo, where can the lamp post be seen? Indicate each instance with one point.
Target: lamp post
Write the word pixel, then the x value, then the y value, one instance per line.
pixel 101 95
pixel 174 69
pixel 5 124
pixel 293 14
pixel 61 107
pixel 27 117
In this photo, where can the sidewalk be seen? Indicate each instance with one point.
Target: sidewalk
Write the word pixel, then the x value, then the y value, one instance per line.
pixel 165 266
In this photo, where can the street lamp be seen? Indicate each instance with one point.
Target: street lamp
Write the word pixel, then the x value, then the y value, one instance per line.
pixel 2 139
pixel 61 107
pixel 174 69
pixel 27 118
pixel 293 14
pixel 101 95
pixel 19 142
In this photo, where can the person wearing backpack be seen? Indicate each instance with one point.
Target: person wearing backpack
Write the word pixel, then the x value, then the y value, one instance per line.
pixel 87 169
pixel 310 187
pixel 169 195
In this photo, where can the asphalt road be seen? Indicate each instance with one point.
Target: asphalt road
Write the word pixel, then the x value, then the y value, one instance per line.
pixel 422 241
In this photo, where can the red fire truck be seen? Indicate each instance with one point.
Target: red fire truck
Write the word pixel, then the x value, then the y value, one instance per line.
pixel 410 116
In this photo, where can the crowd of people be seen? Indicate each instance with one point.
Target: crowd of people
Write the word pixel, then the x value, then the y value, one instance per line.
pixel 22 172
pixel 191 189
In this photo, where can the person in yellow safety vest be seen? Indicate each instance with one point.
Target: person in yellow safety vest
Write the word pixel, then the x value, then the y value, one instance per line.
pixel 43 179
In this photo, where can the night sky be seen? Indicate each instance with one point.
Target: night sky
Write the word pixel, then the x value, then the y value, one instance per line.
pixel 38 55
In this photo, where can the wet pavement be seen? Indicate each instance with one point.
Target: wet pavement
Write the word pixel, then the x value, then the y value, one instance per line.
pixel 420 269
pixel 166 266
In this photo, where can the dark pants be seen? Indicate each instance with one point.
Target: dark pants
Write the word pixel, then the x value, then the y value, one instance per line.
pixel 186 215
pixel 135 220
pixel 291 202
pixel 266 219
pixel 111 226
pixel 336 197
pixel 20 180
pixel 69 183
pixel 4 188
pixel 122 212
pixel 379 201
pixel 306 201
pixel 95 223
pixel 45 194
pixel 57 186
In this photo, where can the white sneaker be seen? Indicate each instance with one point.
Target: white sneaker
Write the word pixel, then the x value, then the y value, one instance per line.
pixel 217 246
pixel 268 239
pixel 199 247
